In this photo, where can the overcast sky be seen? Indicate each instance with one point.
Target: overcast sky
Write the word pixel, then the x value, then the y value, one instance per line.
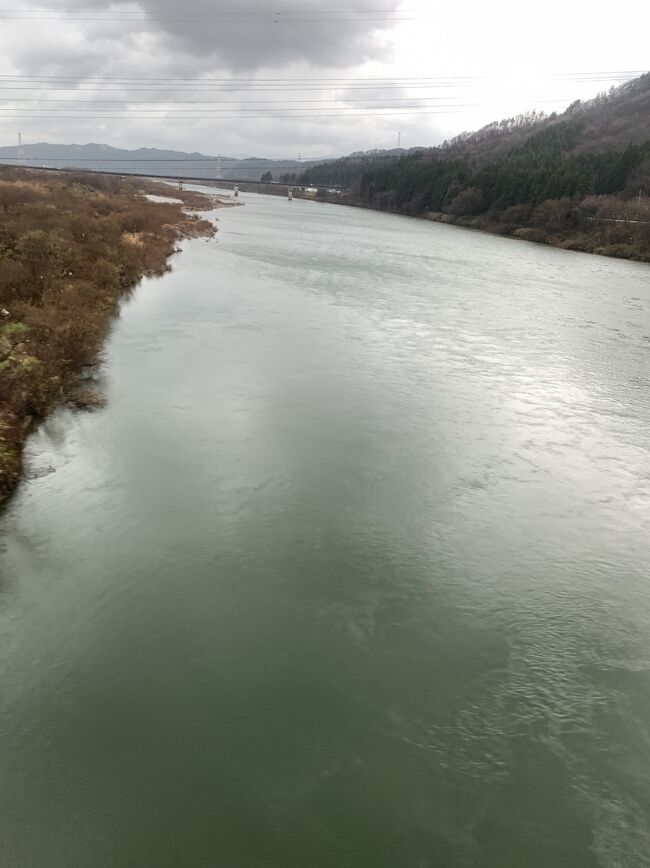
pixel 315 79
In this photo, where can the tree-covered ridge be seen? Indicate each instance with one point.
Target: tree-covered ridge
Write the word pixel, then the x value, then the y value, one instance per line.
pixel 537 171
pixel 346 171
pixel 546 178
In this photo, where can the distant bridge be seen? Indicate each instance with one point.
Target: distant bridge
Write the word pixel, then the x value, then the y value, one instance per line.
pixel 193 179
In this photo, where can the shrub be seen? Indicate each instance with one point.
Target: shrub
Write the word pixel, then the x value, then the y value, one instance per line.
pixel 65 260
pixel 14 276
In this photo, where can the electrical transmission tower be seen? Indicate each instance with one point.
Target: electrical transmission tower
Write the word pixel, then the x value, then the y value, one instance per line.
pixel 20 151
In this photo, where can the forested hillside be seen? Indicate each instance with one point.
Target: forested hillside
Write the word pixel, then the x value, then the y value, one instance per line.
pixel 580 179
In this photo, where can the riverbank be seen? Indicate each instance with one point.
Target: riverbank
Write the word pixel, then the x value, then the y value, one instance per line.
pixel 604 225
pixel 70 248
pixel 619 237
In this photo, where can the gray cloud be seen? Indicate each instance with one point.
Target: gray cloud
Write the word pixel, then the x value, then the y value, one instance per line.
pixel 258 38
pixel 475 39
pixel 44 57
pixel 161 47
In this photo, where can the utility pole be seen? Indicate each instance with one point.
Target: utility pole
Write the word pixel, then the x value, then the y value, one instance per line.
pixel 399 139
pixel 21 151
pixel 638 204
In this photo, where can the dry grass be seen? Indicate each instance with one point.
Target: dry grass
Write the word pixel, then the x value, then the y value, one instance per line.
pixel 70 247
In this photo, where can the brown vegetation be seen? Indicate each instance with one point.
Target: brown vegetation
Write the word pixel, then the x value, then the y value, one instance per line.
pixel 607 225
pixel 70 247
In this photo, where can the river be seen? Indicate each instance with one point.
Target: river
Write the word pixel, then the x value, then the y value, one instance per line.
pixel 352 569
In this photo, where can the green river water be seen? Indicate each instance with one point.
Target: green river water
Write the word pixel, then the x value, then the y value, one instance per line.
pixel 352 571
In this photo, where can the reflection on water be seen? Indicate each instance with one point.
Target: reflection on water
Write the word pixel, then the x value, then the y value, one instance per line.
pixel 352 568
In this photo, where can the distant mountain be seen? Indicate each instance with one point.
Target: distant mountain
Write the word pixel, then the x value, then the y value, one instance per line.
pixel 156 161
pixel 147 160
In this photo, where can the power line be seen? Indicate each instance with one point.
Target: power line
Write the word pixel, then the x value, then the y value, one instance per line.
pixel 312 81
pixel 49 163
pixel 121 108
pixel 232 80
pixel 68 82
pixel 164 102
pixel 236 164
pixel 80 9
pixel 218 116
pixel 264 88
pixel 361 111
pixel 296 18
pixel 223 117
pixel 248 107
pixel 78 105
pixel 234 84
pixel 6 86
pixel 254 109
pixel 353 111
